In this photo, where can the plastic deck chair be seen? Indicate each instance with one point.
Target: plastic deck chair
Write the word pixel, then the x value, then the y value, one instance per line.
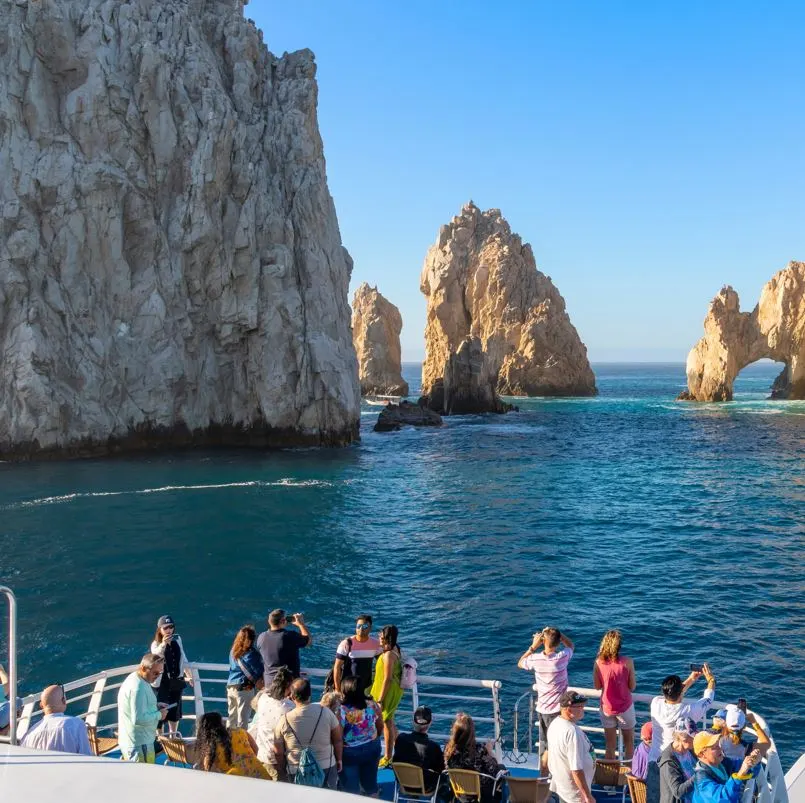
pixel 468 782
pixel 528 790
pixel 178 751
pixel 100 745
pixel 410 783
pixel 609 772
pixel 637 789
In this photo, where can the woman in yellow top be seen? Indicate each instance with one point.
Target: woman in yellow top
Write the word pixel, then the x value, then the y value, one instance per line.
pixel 220 750
pixel 386 689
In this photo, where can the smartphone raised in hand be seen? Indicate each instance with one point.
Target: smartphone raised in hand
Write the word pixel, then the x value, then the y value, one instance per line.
pixel 742 704
pixel 696 667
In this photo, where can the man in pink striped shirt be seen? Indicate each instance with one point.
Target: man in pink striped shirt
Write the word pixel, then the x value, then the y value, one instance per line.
pixel 550 677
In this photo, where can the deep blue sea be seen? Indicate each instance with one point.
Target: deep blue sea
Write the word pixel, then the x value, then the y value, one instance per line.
pixel 681 524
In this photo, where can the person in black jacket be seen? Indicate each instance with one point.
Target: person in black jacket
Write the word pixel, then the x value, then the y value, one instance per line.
pixel 416 748
pixel 677 763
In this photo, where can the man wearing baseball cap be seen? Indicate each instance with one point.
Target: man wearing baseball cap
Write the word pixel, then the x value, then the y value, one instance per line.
pixel 416 748
pixel 718 779
pixel 570 755
pixel 640 757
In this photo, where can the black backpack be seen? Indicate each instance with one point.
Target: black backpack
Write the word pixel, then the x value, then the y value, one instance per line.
pixel 346 672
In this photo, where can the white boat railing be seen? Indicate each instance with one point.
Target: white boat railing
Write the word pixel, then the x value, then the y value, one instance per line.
pixel 771 786
pixel 446 696
pixel 12 664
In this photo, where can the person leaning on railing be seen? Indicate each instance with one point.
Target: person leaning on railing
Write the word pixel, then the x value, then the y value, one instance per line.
pixel 245 677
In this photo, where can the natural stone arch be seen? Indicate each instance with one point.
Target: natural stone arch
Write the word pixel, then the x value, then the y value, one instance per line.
pixel 775 329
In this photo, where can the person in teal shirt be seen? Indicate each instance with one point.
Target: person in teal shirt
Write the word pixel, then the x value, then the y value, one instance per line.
pixel 138 712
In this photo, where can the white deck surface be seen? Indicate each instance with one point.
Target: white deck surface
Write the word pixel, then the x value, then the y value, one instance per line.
pixel 48 777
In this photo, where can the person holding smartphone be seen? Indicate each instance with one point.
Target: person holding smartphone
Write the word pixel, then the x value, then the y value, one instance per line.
pixel 176 675
pixel 280 646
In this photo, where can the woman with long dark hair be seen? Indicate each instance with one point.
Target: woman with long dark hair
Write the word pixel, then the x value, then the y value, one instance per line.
pixel 245 677
pixel 464 753
pixel 176 675
pixel 386 689
pixel 273 703
pixel 362 723
pixel 227 751
pixel 614 674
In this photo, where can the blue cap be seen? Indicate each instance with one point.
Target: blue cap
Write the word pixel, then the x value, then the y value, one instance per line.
pixel 720 714
pixel 5 712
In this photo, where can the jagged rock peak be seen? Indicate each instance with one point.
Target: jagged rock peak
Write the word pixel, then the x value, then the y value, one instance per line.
pixel 376 327
pixel 481 282
pixel 775 329
pixel 171 267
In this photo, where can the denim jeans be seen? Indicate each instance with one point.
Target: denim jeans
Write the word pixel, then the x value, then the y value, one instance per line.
pixel 360 768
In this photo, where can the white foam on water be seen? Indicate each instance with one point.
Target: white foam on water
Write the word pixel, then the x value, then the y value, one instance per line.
pixel 286 482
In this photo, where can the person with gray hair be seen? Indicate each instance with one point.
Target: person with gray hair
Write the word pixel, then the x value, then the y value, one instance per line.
pixel 138 712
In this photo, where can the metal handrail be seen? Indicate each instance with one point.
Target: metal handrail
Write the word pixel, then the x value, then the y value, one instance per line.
pixel 12 664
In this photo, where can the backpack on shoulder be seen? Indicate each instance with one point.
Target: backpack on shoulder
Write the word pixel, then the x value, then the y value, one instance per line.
pixel 408 676
pixel 346 671
pixel 308 773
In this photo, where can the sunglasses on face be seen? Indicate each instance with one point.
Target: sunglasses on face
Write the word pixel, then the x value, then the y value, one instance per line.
pixel 363 627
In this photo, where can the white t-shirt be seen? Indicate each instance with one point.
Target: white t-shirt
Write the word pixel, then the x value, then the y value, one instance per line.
pixel 664 716
pixel 568 749
pixel 269 713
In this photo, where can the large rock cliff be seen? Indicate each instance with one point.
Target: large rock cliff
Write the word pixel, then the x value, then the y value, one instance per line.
pixel 171 268
pixel 775 329
pixel 495 324
pixel 376 327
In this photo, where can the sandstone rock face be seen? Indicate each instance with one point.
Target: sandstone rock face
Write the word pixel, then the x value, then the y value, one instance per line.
pixel 501 322
pixel 733 339
pixel 171 268
pixel 376 327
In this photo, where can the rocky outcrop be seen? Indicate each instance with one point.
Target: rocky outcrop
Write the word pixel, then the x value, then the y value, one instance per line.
pixel 396 416
pixel 495 324
pixel 775 329
pixel 376 327
pixel 171 268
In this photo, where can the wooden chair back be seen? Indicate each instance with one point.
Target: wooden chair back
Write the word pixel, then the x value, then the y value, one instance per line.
pixel 178 750
pixel 637 789
pixel 528 790
pixel 100 745
pixel 465 782
pixel 610 772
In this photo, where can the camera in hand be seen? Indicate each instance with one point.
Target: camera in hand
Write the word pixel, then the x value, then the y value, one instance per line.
pixel 742 704
pixel 696 667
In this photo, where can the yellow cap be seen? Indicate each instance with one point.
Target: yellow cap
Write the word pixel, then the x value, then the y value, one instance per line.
pixel 705 739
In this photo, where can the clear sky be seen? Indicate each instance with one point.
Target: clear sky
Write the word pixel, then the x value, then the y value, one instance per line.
pixel 650 152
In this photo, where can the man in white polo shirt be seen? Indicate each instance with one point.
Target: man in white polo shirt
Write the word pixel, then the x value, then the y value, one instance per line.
pixel 571 760
pixel 550 676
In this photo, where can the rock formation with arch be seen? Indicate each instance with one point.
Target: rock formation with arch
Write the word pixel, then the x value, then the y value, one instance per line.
pixel 495 324
pixel 171 267
pixel 775 329
pixel 376 327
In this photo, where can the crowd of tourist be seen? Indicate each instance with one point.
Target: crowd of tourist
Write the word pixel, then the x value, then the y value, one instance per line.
pixel 274 730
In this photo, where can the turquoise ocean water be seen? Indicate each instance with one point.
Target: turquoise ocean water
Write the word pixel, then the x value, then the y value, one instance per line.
pixel 681 524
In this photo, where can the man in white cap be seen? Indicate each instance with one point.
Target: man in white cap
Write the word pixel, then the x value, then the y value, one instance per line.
pixel 570 754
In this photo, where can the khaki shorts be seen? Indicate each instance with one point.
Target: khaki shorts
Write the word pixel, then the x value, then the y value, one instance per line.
pixel 626 721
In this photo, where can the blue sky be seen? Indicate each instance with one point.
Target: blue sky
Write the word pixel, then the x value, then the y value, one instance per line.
pixel 650 152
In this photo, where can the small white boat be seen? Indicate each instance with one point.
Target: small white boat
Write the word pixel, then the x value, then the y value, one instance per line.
pixel 382 401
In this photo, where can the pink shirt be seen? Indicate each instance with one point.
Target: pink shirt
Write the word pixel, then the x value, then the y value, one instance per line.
pixel 550 677
pixel 616 697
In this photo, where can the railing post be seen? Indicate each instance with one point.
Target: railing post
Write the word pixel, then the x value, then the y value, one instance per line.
pixel 199 699
pixel 12 663
pixel 496 715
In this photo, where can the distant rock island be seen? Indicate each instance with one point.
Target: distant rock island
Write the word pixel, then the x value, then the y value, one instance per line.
pixel 172 267
pixel 376 327
pixel 775 329
pixel 495 324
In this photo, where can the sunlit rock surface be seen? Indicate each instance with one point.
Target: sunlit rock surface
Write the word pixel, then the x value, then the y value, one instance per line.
pixel 501 322
pixel 775 329
pixel 171 268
